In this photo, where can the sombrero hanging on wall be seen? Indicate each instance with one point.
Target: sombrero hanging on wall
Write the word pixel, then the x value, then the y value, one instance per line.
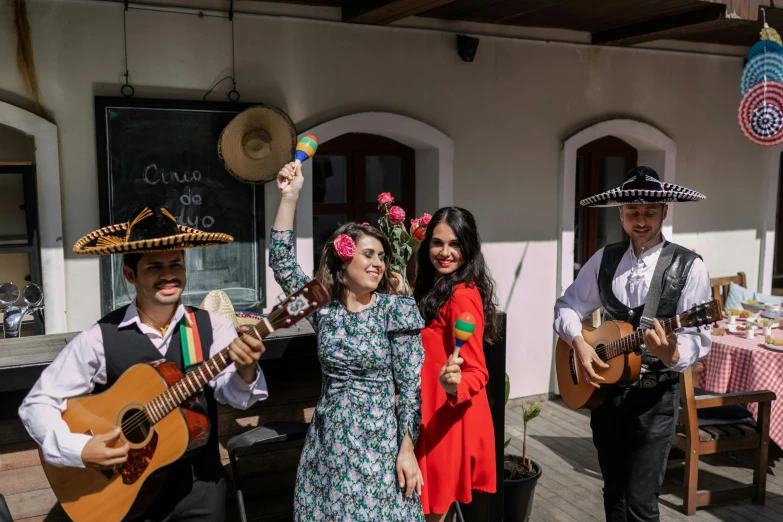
pixel 149 229
pixel 256 144
pixel 642 186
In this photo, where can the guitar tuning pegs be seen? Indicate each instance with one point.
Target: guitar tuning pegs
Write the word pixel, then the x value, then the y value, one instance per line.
pixel 281 298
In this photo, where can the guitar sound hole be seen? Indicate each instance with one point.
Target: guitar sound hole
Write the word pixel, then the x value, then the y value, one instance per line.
pixel 135 426
pixel 601 351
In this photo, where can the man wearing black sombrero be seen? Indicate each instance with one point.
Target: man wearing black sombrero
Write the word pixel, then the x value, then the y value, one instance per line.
pixel 634 427
pixel 150 328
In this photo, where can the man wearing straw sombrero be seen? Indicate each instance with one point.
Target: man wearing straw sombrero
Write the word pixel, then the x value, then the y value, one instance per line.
pixel 156 325
pixel 633 429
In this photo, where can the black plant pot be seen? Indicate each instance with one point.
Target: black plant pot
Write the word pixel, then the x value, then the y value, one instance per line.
pixel 518 494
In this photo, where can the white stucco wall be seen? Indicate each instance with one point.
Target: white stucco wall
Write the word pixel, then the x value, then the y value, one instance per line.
pixel 507 113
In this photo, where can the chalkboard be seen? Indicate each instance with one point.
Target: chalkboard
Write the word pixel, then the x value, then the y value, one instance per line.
pixel 165 152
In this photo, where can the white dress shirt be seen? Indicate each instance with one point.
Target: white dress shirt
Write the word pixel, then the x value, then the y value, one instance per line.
pixel 82 364
pixel 630 285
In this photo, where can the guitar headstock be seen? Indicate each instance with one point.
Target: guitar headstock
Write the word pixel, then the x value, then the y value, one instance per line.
pixel 298 305
pixel 702 314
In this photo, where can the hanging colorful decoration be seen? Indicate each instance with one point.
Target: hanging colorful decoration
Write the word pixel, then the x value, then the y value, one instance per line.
pixel 760 112
pixel 765 66
pixel 765 46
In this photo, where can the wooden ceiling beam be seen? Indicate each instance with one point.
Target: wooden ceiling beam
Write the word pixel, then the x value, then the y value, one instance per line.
pixel 657 28
pixel 382 12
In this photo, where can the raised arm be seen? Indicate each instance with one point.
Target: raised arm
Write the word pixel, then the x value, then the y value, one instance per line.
pixel 289 184
pixel 282 260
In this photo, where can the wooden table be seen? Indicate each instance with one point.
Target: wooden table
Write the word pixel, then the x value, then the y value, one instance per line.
pixel 736 364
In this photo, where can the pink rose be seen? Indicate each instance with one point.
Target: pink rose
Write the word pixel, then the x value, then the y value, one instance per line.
pixel 396 215
pixel 384 198
pixel 425 219
pixel 365 224
pixel 345 247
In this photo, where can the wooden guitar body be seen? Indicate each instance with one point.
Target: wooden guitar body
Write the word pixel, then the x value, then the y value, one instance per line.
pixel 154 405
pixel 98 495
pixel 623 369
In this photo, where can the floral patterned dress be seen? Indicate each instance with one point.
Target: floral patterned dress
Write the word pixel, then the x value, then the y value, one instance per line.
pixel 347 468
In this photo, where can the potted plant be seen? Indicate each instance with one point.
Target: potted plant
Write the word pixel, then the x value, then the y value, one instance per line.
pixel 520 473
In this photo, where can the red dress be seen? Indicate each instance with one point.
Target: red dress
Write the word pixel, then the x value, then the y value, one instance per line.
pixel 456 446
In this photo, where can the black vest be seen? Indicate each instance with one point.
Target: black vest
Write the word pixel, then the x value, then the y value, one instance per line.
pixel 125 347
pixel 674 278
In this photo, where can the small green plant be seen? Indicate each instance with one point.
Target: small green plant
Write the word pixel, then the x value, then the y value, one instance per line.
pixel 528 414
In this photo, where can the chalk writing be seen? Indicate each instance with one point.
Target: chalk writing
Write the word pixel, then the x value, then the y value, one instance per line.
pixel 153 176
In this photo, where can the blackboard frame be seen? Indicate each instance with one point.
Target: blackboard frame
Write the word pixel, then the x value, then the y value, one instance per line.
pixel 102 104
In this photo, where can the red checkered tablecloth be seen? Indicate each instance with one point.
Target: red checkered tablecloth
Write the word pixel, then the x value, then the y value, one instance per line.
pixel 736 364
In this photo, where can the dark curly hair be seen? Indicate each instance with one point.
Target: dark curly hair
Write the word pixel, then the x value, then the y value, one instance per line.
pixel 432 294
pixel 330 269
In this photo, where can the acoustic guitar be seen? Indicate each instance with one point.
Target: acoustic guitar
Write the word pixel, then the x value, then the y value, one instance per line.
pixel 619 346
pixel 155 407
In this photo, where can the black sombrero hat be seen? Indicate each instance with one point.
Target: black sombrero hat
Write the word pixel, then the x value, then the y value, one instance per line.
pixel 642 186
pixel 149 229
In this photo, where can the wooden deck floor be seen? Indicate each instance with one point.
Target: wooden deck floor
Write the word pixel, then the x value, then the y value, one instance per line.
pixel 569 489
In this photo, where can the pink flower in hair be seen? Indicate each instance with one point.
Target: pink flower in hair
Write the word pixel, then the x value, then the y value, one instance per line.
pixel 384 198
pixel 366 224
pixel 345 247
pixel 396 215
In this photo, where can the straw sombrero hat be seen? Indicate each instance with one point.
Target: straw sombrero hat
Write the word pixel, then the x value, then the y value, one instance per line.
pixel 149 229
pixel 642 186
pixel 217 302
pixel 256 144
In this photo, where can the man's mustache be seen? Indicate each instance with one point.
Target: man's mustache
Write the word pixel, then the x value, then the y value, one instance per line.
pixel 161 284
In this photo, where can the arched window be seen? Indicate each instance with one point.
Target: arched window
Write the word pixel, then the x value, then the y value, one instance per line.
pixel 348 174
pixel 600 165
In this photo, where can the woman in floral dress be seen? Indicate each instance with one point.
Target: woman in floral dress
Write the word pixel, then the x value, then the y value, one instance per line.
pixel 358 462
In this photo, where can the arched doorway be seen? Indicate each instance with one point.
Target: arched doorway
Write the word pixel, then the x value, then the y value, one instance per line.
pixel 600 165
pixel 47 184
pixel 349 172
pixel 653 148
pixel 433 165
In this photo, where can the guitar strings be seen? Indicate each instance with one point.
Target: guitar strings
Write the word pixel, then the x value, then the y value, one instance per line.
pixel 137 421
pixel 667 325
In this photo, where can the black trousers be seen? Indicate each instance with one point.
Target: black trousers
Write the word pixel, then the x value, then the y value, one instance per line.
pixel 186 497
pixel 633 432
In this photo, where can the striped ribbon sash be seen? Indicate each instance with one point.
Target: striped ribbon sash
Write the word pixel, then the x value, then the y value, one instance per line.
pixel 192 353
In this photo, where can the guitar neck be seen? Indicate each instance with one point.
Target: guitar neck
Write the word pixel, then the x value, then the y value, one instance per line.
pixel 193 381
pixel 632 343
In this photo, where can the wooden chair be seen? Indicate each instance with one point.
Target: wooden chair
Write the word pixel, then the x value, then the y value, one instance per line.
pixel 696 440
pixel 720 286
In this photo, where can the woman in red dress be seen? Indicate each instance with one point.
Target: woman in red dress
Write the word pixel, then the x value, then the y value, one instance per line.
pixel 456 447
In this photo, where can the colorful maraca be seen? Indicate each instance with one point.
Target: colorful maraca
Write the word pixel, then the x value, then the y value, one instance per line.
pixel 463 330
pixel 305 149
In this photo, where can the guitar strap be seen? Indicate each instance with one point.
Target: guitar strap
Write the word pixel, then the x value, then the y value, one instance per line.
pixel 656 287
